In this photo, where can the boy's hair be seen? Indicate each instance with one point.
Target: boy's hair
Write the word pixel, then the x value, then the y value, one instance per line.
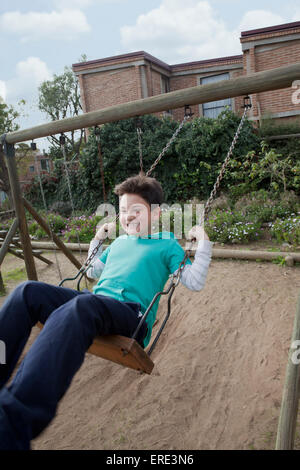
pixel 144 186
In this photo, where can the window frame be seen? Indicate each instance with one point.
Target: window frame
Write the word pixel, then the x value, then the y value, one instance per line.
pixel 47 164
pixel 230 103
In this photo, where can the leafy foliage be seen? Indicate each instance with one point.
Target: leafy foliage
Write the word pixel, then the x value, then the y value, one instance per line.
pixel 8 116
pixel 263 169
pixel 59 98
pixel 287 230
pixel 188 169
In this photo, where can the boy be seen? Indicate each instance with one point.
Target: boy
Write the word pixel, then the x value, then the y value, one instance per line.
pixel 132 269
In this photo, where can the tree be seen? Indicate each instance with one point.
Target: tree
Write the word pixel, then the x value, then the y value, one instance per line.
pixel 8 117
pixel 59 98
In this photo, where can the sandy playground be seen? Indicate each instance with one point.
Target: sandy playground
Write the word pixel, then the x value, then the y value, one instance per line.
pixel 218 376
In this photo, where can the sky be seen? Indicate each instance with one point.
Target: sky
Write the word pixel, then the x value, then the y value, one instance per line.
pixel 39 38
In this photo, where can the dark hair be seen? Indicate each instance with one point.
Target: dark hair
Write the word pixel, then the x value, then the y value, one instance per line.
pixel 148 188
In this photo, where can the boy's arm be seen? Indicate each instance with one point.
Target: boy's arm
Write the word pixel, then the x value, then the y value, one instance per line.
pixel 96 266
pixel 194 275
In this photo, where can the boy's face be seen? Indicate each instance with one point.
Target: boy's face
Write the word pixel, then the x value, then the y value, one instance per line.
pixel 135 215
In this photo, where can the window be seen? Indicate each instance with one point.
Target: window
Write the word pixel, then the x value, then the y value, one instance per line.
pixel 31 168
pixel 165 84
pixel 213 109
pixel 45 165
pixel 165 88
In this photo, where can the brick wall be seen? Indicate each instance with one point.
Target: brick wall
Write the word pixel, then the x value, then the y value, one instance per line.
pixel 29 167
pixel 109 88
pixel 278 100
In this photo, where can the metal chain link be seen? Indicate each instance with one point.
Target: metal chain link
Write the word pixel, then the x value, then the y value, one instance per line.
pixel 155 163
pixel 49 222
pixel 139 134
pixel 71 196
pixel 175 278
pixel 224 166
pixel 213 193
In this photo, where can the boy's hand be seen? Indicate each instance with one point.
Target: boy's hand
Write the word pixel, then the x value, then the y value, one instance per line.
pixel 106 231
pixel 197 233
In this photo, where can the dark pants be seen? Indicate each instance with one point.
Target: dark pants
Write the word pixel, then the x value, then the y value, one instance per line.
pixel 72 320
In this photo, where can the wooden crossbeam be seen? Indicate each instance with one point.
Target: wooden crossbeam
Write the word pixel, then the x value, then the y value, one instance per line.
pixel 274 79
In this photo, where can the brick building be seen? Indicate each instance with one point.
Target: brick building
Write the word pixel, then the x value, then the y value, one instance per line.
pixel 32 166
pixel 119 79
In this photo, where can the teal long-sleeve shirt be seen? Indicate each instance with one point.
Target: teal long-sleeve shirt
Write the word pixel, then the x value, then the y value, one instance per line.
pixel 135 269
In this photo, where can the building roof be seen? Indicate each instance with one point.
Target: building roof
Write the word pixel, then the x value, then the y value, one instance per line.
pixel 209 61
pixel 121 58
pixel 271 29
pixel 154 60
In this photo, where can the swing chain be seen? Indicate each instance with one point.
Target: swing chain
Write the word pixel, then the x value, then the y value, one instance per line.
pixel 247 106
pixel 175 278
pixel 225 164
pixel 153 166
pixel 139 134
pixel 93 253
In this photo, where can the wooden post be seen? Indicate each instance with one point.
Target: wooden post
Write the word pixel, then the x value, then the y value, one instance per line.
pixel 8 239
pixel 289 405
pixel 55 238
pixel 101 168
pixel 20 212
pixel 2 286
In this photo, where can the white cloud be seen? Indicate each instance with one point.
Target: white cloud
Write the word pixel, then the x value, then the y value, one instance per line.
pixel 63 24
pixel 260 19
pixel 62 4
pixel 81 4
pixel 30 73
pixel 2 90
pixel 33 68
pixel 178 30
pixel 181 31
pixel 296 16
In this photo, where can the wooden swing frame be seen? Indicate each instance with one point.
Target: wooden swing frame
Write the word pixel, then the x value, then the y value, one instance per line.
pixel 126 351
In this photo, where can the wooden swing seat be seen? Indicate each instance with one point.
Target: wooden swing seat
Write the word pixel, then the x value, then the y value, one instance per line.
pixel 122 350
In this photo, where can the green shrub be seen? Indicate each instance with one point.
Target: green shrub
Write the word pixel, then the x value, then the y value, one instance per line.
pixel 56 222
pixel 264 169
pixel 62 208
pixel 82 228
pixel 287 230
pixel 231 227
pixel 260 206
